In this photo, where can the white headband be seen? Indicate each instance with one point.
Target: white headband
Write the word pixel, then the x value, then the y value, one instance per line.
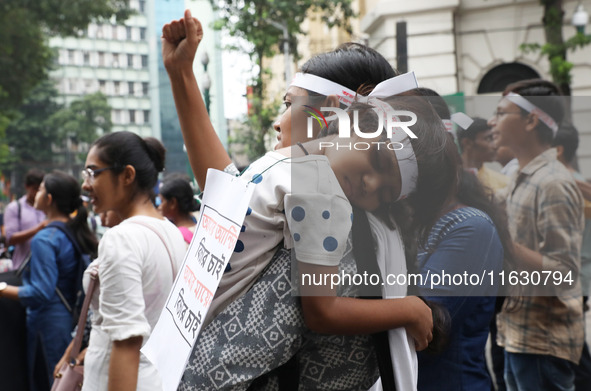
pixel 393 86
pixel 531 108
pixel 323 86
pixel 407 164
pixel 462 120
pixel 407 161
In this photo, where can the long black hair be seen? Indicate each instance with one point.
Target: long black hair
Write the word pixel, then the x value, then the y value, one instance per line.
pixel 65 193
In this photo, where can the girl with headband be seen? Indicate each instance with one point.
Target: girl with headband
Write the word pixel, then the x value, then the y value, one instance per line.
pixel 185 97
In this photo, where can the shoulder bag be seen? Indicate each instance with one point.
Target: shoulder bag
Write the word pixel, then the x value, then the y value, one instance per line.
pixel 71 376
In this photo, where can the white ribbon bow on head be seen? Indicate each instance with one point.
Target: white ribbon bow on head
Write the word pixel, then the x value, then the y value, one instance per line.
pixel 407 161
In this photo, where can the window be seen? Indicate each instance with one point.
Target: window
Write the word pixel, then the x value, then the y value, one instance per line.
pixel 496 79
pixel 114 32
pixel 86 58
pixel 142 33
pixel 130 60
pixel 145 87
pixel 101 59
pixel 132 116
pixel 116 116
pixel 71 57
pixel 146 116
pixel 116 88
pixel 115 61
pixel 142 6
pixel 103 86
pixel 128 33
pixel 130 88
pixel 144 61
pixel 135 34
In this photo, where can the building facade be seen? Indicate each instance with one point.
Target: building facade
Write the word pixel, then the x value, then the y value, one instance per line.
pixel 472 47
pixel 124 62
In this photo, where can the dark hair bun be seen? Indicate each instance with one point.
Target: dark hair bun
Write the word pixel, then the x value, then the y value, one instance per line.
pixel 156 151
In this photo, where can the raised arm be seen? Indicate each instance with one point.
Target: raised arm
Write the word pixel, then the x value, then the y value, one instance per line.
pixel 180 39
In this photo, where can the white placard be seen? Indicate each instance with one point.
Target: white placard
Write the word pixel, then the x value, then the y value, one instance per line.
pixel 225 203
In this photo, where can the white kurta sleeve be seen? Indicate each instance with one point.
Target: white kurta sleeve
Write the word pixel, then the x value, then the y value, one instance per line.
pixel 122 305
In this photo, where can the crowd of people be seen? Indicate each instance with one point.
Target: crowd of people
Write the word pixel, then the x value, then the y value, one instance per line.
pixel 419 200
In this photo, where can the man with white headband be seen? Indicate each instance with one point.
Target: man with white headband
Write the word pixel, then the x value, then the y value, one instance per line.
pixel 543 336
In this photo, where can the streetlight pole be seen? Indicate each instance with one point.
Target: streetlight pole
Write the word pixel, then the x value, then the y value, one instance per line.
pixel 287 56
pixel 206 81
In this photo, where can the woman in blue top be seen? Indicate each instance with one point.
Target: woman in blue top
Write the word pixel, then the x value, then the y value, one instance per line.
pixel 469 236
pixel 54 265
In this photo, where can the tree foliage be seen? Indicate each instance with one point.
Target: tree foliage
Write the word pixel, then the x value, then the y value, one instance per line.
pixel 25 25
pixel 41 126
pixel 252 20
pixel 85 119
pixel 30 133
pixel 556 48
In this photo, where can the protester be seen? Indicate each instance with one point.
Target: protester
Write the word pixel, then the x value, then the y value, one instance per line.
pixel 477 147
pixel 471 236
pixel 22 221
pixel 137 262
pixel 177 201
pixel 361 61
pixel 542 335
pixel 53 272
pixel 566 143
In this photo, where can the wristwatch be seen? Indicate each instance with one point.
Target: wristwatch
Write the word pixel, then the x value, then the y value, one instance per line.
pixel 3 286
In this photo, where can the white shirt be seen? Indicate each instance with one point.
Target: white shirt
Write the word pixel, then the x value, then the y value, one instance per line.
pixel 135 276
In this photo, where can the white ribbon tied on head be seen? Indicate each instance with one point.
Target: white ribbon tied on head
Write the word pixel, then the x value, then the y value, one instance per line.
pixel 324 87
pixel 462 120
pixel 531 108
pixel 407 161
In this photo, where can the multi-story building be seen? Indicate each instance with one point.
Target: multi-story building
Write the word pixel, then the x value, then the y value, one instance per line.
pixel 124 62
pixel 114 59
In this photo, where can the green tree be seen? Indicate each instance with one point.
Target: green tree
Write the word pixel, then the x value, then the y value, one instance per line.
pixel 252 20
pixel 556 48
pixel 30 133
pixel 25 25
pixel 84 120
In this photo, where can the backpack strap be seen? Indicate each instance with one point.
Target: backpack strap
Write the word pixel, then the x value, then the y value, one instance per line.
pixel 81 262
pixel 19 213
pixel 68 232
